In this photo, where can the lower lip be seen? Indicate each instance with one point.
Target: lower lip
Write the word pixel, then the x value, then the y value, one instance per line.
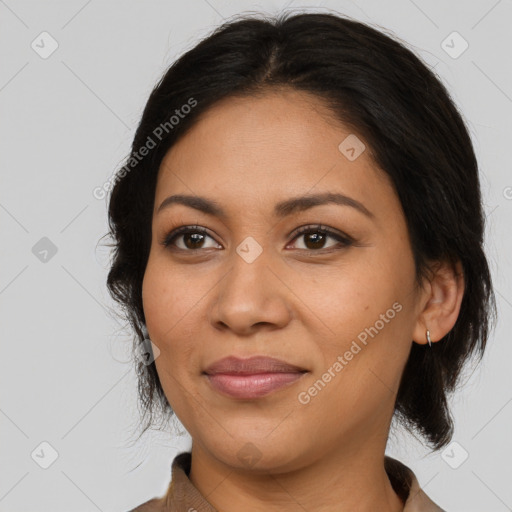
pixel 251 386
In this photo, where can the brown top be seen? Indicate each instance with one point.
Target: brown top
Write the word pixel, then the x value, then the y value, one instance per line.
pixel 183 496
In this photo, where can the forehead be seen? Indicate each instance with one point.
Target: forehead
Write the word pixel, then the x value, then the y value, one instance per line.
pixel 284 143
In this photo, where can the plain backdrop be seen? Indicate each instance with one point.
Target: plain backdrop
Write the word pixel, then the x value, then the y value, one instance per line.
pixel 67 121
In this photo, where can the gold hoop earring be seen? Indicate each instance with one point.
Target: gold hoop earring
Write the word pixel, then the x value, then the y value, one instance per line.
pixel 428 338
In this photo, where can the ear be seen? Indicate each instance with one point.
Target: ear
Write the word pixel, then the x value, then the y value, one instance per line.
pixel 442 299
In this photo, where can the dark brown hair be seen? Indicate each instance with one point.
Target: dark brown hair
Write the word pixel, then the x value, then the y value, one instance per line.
pixel 387 96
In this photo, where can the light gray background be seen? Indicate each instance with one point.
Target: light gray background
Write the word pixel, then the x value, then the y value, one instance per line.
pixel 66 124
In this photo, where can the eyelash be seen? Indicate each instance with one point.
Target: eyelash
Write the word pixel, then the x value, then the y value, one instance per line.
pixel 343 239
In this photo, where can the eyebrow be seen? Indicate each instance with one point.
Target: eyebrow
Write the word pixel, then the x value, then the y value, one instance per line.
pixel 281 209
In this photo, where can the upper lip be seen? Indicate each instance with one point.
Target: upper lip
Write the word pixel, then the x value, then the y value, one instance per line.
pixel 252 365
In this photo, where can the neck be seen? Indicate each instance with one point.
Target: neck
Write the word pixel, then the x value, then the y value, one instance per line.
pixel 352 478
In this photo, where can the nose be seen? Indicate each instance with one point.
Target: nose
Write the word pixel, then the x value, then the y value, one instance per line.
pixel 251 296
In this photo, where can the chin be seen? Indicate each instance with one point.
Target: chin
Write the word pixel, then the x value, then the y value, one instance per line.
pixel 258 454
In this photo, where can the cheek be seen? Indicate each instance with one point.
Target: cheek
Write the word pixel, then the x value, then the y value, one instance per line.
pixel 348 302
pixel 369 316
pixel 172 311
pixel 168 297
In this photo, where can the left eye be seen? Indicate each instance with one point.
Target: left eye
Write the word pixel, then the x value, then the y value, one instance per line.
pixel 193 237
pixel 315 236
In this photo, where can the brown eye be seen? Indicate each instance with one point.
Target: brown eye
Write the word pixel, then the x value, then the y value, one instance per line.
pixel 315 237
pixel 192 237
pixel 193 240
pixel 317 240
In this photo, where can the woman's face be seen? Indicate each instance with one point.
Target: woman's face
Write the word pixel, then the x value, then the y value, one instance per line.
pixel 251 286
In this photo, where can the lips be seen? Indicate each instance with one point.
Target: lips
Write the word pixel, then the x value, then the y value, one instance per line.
pixel 251 366
pixel 251 378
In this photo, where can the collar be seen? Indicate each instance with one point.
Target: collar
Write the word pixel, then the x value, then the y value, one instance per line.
pixel 183 496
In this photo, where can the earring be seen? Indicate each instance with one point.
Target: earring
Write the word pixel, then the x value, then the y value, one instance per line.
pixel 428 338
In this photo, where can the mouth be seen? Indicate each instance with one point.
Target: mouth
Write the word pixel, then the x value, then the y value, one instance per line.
pixel 251 378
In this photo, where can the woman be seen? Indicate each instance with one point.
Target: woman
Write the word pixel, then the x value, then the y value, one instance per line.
pixel 299 232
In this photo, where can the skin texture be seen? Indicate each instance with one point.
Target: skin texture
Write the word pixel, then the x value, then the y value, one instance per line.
pixel 300 300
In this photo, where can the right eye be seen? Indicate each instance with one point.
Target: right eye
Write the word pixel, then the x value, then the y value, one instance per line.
pixel 192 238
